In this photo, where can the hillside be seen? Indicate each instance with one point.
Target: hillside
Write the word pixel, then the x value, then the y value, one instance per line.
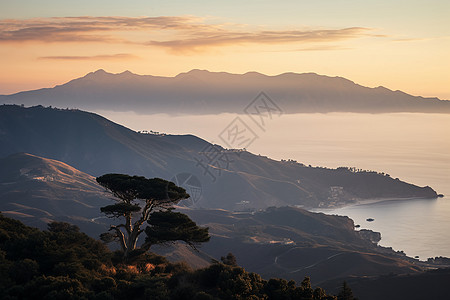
pixel 233 181
pixel 432 284
pixel 37 191
pixel 204 92
pixel 64 263
pixel 292 243
pixel 285 242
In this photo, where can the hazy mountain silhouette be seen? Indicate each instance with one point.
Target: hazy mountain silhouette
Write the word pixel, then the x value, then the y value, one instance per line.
pixel 204 92
pixel 246 181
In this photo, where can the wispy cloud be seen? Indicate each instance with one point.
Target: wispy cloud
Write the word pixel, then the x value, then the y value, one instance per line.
pixel 327 47
pixel 87 29
pixel 176 34
pixel 120 56
pixel 224 38
pixel 409 40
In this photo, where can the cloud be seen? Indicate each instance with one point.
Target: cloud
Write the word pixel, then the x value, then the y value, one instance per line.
pixel 409 40
pixel 119 56
pixel 224 38
pixel 175 34
pixel 87 29
pixel 326 47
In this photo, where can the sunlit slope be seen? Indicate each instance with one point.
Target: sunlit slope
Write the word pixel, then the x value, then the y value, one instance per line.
pixel 37 190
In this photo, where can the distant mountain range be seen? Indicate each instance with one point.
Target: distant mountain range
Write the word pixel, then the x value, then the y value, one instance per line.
pixel 214 176
pixel 204 92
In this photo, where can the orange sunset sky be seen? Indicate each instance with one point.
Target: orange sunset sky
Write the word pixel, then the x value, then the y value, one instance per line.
pixel 402 45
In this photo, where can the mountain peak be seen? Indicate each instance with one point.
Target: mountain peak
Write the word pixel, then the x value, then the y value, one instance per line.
pixel 196 71
pixel 254 74
pixel 96 74
pixel 100 71
pixel 101 74
pixel 127 72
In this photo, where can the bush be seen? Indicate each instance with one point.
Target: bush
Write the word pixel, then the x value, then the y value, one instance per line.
pixel 64 263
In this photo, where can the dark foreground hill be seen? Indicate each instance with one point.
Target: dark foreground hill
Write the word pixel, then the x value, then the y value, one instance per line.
pixel 224 178
pixel 432 284
pixel 203 92
pixel 63 263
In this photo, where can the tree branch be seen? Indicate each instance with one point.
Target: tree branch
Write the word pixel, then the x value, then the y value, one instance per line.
pixel 120 235
pixel 148 208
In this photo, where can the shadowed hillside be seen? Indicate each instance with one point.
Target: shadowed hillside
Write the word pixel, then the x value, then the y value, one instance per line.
pixel 432 284
pixel 284 242
pixel 292 243
pixel 234 181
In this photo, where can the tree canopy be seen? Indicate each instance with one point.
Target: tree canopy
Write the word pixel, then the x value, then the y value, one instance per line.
pixel 167 226
pixel 345 292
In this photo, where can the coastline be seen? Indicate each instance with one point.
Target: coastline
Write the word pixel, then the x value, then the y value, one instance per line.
pixel 381 200
pixel 412 224
pixel 362 202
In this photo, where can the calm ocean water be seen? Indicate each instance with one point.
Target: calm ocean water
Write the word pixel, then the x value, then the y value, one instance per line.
pixel 412 147
pixel 418 227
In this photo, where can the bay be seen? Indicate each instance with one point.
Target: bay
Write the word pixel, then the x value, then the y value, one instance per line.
pixel 418 227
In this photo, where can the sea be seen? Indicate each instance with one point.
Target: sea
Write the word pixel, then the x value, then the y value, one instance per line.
pixel 413 147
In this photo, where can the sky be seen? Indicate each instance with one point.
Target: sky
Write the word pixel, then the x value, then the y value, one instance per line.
pixel 402 45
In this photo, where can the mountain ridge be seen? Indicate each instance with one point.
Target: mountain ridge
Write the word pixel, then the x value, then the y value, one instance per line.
pixel 203 92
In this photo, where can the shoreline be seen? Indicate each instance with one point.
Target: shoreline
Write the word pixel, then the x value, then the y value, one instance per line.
pixel 379 205
pixel 381 200
pixel 362 202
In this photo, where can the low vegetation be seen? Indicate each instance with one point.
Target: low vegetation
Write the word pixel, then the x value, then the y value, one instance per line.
pixel 64 263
